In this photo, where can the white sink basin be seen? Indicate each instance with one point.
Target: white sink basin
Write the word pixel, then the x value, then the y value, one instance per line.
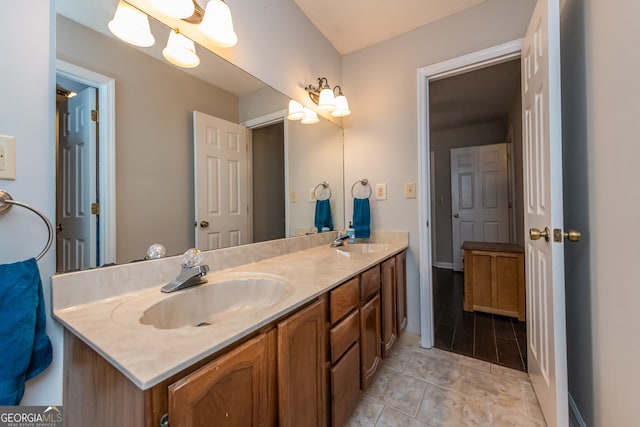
pixel 363 248
pixel 213 302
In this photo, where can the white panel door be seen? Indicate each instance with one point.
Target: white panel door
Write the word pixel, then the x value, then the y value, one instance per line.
pixel 546 334
pixel 479 197
pixel 76 237
pixel 220 150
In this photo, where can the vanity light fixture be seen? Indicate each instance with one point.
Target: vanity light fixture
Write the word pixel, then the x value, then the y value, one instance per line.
pixel 178 9
pixel 131 25
pixel 296 111
pixel 326 100
pixel 217 25
pixel 310 117
pixel 180 50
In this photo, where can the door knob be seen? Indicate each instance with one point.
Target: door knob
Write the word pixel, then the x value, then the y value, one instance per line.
pixel 456 215
pixel 536 234
pixel 572 235
pixel 59 228
pixel 204 224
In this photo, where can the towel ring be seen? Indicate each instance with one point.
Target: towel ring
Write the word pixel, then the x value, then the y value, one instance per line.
pixel 323 184
pixel 365 183
pixel 6 201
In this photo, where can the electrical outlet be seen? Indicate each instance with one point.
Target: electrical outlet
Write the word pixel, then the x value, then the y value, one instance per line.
pixel 410 190
pixel 381 191
pixel 293 197
pixel 7 157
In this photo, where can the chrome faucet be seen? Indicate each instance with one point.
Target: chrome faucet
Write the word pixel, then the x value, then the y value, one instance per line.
pixel 339 241
pixel 192 272
pixel 190 276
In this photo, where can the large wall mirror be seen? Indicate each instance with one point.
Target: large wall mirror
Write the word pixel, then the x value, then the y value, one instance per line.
pixel 153 130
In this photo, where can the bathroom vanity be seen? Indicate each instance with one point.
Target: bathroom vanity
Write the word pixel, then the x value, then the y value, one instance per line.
pixel 302 357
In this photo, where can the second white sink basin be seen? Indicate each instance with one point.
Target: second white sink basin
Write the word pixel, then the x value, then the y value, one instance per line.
pixel 209 303
pixel 363 248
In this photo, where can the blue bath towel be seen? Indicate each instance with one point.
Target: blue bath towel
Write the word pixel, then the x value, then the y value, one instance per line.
pixel 323 215
pixel 361 217
pixel 25 348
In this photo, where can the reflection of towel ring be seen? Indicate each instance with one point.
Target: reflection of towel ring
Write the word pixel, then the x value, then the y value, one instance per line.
pixel 6 201
pixel 323 184
pixel 363 182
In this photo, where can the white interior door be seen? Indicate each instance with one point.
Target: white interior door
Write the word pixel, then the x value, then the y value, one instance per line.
pixel 546 334
pixel 76 237
pixel 479 197
pixel 220 150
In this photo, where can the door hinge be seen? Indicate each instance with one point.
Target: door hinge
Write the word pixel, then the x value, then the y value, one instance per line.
pixel 95 208
pixel 94 116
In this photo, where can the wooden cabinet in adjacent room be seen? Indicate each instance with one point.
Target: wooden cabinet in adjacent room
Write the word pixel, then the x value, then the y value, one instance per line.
pixel 302 363
pixel 237 389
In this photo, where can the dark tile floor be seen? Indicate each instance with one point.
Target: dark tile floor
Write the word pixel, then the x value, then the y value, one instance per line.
pixel 497 339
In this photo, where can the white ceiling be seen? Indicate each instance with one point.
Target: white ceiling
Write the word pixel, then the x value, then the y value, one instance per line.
pixel 351 25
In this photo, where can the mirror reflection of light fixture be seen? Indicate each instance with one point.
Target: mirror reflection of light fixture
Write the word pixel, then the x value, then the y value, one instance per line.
pixel 324 97
pixel 180 50
pixel 296 111
pixel 217 24
pixel 310 117
pixel 178 9
pixel 131 25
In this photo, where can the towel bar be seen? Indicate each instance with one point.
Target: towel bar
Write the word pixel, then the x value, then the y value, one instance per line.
pixel 6 201
pixel 323 184
pixel 363 182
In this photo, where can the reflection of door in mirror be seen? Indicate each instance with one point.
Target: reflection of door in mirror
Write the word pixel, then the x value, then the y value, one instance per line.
pixel 220 181
pixel 76 183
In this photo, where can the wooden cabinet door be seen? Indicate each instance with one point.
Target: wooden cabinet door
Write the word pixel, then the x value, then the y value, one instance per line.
pixel 345 386
pixel 401 291
pixel 370 340
pixel 302 361
pixel 388 302
pixel 233 390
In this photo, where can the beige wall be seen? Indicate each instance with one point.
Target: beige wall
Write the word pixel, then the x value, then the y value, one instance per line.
pixel 600 134
pixel 381 134
pixel 154 137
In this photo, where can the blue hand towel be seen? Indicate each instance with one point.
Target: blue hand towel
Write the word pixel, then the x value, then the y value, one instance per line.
pixel 24 345
pixel 323 215
pixel 361 217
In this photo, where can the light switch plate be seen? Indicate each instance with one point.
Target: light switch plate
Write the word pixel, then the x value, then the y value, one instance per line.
pixel 409 190
pixel 7 157
pixel 381 191
pixel 312 195
pixel 293 197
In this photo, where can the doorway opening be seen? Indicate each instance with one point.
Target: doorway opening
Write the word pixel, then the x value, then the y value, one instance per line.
pixel 436 218
pixel 476 182
pixel 88 239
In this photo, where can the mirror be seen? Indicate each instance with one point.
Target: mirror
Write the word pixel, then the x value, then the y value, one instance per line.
pixel 154 101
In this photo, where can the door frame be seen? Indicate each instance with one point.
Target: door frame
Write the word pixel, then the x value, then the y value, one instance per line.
pixel 106 87
pixel 449 68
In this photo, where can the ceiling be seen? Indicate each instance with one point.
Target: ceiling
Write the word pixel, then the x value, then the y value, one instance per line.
pixel 355 24
pixel 472 98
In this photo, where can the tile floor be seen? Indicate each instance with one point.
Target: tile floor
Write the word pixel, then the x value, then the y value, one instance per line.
pixel 436 388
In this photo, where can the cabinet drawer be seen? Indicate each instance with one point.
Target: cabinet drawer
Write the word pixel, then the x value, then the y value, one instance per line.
pixel 370 283
pixel 343 335
pixel 345 387
pixel 343 299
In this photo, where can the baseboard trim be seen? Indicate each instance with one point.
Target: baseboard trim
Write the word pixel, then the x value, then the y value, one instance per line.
pixel 575 412
pixel 447 265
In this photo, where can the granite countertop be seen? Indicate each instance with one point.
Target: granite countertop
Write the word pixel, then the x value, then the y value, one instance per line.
pixel 148 355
